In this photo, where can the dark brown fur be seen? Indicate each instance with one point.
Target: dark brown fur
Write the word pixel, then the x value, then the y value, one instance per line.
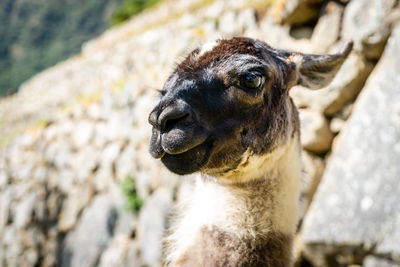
pixel 223 50
pixel 216 248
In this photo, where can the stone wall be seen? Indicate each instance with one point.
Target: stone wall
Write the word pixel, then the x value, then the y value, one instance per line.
pixel 78 187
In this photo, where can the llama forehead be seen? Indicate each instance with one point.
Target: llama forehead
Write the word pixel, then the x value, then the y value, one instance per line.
pixel 214 52
pixel 240 63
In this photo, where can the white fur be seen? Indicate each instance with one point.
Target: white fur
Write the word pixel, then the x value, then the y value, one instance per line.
pixel 296 59
pixel 207 47
pixel 218 202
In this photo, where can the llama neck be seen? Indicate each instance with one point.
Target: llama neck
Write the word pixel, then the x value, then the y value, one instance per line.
pixel 263 203
pixel 258 209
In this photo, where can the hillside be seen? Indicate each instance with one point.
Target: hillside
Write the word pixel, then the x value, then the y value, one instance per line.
pixel 37 34
pixel 79 188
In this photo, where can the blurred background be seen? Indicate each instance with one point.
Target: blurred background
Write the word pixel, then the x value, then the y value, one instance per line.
pixel 79 78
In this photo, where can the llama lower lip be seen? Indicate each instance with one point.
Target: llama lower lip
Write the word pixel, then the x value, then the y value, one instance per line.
pixel 189 161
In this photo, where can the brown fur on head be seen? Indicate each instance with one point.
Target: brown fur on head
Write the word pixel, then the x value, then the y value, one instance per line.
pixel 230 98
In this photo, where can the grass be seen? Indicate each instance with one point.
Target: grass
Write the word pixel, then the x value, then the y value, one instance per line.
pixel 133 201
pixel 130 8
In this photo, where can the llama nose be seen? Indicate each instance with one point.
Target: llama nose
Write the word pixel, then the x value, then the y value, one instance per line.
pixel 169 116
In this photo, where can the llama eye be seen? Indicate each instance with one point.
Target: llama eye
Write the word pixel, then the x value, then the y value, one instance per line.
pixel 250 81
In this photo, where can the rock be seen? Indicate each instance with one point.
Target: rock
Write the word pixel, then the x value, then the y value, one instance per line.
pixel 103 178
pixel 3 179
pixel 39 173
pixel 343 89
pixel 125 163
pixel 84 245
pixel 23 210
pixel 114 129
pixel 313 168
pixel 26 140
pixel 84 162
pixel 132 259
pixel 115 254
pixel 2 258
pixel 110 153
pixel 142 182
pixel 126 223
pixel 94 112
pixel 365 23
pixel 336 125
pixel 99 136
pixel 6 197
pixel 372 261
pixel 227 24
pixel 58 153
pixel 296 11
pixel 78 197
pixel 51 248
pixel 82 133
pixel 301 32
pixel 65 180
pixel 30 257
pixel 13 156
pixel 327 30
pixel 11 241
pixel 39 210
pixel 105 174
pixel 24 171
pixel 127 219
pixel 278 36
pixel 246 20
pixel 356 205
pixel 143 105
pixel 78 111
pixel 10 235
pixel 339 119
pixel 152 224
pixel 19 247
pixel 315 134
pixel 53 203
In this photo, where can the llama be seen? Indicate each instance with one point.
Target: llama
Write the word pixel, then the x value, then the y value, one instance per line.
pixel 226 114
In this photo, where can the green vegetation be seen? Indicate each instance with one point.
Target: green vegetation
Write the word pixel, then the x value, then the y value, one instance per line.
pixel 128 187
pixel 130 8
pixel 36 34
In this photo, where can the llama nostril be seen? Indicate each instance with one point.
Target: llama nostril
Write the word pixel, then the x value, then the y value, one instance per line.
pixel 153 118
pixel 169 122
pixel 172 114
pixel 166 115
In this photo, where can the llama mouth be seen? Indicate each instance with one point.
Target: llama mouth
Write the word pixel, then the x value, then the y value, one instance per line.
pixel 189 161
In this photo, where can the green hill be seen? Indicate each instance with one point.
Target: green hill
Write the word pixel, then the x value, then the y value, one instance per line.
pixel 36 34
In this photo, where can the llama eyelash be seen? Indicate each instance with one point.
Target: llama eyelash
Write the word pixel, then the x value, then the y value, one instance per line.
pixel 161 92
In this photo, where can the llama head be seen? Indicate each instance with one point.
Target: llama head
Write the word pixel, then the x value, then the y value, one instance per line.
pixel 229 99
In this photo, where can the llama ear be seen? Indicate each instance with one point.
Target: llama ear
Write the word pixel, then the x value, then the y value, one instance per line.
pixel 317 71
